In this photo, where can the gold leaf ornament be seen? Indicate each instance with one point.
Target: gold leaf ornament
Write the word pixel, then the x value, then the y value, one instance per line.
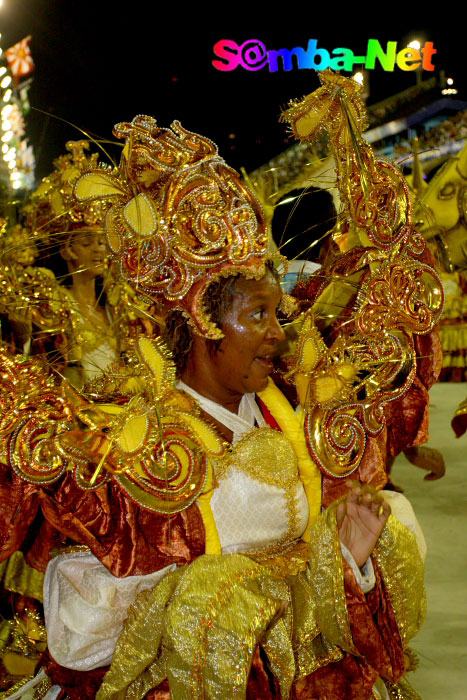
pixel 97 185
pixel 310 346
pixel 210 441
pixel 310 350
pixel 141 216
pixel 133 434
pixel 157 359
pixel 327 387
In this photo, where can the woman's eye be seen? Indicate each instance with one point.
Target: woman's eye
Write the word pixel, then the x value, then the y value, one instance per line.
pixel 258 315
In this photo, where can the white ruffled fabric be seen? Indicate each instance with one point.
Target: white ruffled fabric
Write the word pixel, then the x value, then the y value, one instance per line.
pixel 85 607
pixel 402 509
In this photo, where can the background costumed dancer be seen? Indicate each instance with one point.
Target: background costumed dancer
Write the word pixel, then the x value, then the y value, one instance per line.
pixel 58 293
pixel 442 217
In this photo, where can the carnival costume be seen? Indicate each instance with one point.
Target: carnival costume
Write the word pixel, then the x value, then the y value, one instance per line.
pixel 74 340
pixel 441 215
pixel 218 537
pixel 78 343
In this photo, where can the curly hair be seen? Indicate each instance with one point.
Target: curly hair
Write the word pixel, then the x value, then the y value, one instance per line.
pixel 217 300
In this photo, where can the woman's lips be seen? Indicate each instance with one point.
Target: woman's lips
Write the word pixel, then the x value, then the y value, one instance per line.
pixel 266 362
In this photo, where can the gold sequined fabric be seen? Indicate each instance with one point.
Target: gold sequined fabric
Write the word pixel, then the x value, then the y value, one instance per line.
pixel 321 624
pixel 397 555
pixel 401 691
pixel 21 578
pixel 201 625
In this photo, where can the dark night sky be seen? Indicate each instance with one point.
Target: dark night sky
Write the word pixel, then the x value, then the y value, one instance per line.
pixel 95 67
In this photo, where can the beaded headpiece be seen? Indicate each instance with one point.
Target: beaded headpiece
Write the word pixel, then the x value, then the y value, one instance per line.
pixel 52 209
pixel 180 217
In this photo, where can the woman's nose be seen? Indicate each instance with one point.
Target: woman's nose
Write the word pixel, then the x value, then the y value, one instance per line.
pixel 98 243
pixel 276 331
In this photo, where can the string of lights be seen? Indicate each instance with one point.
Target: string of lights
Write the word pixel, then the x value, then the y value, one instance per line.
pixel 17 163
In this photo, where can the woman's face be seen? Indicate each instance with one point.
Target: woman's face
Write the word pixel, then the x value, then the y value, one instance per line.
pixel 86 250
pixel 252 336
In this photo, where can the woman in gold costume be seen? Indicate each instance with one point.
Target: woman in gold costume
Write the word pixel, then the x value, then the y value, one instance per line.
pixel 194 485
pixel 91 341
pixel 67 307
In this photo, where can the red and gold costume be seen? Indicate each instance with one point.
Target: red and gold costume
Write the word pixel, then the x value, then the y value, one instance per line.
pixel 222 535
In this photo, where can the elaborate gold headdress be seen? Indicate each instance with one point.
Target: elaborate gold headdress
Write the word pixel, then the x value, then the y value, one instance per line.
pixel 52 209
pixel 180 217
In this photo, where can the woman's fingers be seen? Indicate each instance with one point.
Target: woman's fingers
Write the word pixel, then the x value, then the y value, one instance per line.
pixel 385 510
pixel 363 493
pixel 355 491
pixel 340 513
pixel 375 506
pixel 367 495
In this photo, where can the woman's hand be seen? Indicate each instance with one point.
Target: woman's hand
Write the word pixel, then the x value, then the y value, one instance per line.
pixel 360 519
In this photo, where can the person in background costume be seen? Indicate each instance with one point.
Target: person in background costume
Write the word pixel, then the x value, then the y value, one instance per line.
pixel 68 307
pixel 442 216
pixel 152 498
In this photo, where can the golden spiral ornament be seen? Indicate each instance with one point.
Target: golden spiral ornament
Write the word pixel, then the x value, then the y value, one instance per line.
pixel 335 437
pixel 170 468
pixel 401 294
pixel 33 454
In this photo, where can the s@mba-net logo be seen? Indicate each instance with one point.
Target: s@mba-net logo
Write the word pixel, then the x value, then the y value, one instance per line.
pixel 253 55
